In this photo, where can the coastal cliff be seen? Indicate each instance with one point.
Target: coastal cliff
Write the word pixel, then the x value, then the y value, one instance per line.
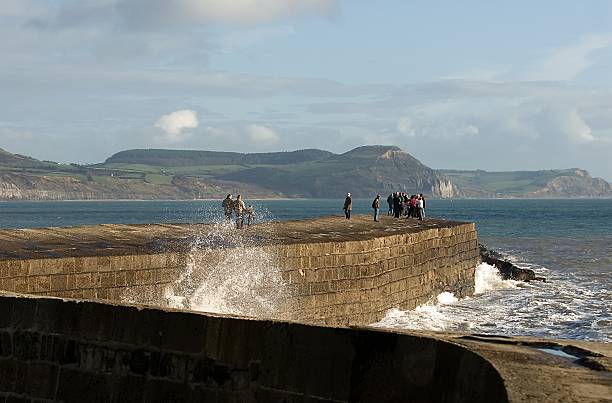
pixel 191 174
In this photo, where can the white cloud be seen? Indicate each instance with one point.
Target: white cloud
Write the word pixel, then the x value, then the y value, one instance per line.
pixel 261 134
pixel 157 14
pixel 176 124
pixel 567 62
pixel 573 126
pixel 244 38
pixel 468 130
pixel 405 126
pixel 245 12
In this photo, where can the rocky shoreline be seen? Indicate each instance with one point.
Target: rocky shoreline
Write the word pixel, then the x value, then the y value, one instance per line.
pixel 508 270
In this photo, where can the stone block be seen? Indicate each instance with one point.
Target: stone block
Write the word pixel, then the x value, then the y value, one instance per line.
pixel 183 332
pixel 75 384
pixel 83 280
pixel 107 279
pixel 85 264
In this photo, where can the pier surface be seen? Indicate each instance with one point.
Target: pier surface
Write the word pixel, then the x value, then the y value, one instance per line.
pixel 124 239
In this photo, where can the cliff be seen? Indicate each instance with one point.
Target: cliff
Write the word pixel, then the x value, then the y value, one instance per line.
pixel 191 174
pixel 559 183
pixel 188 174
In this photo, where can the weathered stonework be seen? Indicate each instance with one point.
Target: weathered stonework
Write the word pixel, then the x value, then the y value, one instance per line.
pixel 337 273
pixel 344 280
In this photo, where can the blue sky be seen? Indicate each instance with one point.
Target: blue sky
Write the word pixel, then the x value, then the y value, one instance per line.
pixel 467 85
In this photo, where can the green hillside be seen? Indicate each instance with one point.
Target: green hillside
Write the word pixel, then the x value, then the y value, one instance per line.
pixel 188 174
pixel 573 182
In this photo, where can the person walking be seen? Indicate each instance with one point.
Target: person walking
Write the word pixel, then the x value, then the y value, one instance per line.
pixel 239 210
pixel 376 207
pixel 348 206
pixel 390 203
pixel 228 206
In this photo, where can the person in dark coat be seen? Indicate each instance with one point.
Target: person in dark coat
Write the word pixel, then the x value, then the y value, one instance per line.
pixel 348 206
pixel 390 203
pixel 376 207
pixel 397 205
pixel 228 206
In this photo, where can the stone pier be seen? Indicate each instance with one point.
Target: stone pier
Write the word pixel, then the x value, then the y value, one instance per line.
pixel 84 316
pixel 332 271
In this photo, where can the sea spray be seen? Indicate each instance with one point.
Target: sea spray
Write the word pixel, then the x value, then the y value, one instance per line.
pixel 487 278
pixel 439 313
pixel 230 271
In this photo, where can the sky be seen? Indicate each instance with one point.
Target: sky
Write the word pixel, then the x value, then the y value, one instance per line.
pixel 518 85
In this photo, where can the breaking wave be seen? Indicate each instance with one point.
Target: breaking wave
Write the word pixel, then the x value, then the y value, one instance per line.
pixel 440 313
pixel 230 271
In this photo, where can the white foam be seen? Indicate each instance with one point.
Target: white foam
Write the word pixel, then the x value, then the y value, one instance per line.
pixel 228 272
pixel 487 278
pixel 446 298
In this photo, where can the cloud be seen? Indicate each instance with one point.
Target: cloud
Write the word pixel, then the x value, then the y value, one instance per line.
pixel 234 12
pixel 159 14
pixel 567 62
pixel 405 126
pixel 261 134
pixel 176 124
pixel 569 122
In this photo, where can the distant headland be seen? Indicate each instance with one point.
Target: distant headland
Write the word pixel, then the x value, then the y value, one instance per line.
pixel 191 174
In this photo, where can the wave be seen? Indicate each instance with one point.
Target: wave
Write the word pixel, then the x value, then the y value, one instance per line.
pixel 229 271
pixel 435 315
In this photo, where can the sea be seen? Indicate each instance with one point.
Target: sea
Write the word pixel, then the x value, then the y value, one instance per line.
pixel 569 242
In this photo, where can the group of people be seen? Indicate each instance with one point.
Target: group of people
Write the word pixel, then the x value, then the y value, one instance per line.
pixel 400 204
pixel 238 208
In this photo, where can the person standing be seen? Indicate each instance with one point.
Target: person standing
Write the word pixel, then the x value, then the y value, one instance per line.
pixel 390 203
pixel 397 205
pixel 228 206
pixel 420 205
pixel 376 207
pixel 348 206
pixel 239 210
pixel 250 213
pixel 424 205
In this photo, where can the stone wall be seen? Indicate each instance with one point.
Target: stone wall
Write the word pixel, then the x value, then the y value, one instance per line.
pixel 55 350
pixel 336 283
pixel 125 277
pixel 357 282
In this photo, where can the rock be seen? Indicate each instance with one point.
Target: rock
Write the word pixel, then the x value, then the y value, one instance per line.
pixel 507 270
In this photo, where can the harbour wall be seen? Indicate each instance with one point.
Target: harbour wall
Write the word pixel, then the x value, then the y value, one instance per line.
pixel 84 315
pixel 341 282
pixel 55 350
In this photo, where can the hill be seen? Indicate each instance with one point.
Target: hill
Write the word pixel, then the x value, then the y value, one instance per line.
pixel 558 183
pixel 191 174
pixel 182 158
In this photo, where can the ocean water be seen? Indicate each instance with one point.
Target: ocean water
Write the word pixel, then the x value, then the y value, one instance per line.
pixel 569 242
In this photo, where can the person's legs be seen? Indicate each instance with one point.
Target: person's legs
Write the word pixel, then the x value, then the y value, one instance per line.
pixel 348 214
pixel 376 211
pixel 420 213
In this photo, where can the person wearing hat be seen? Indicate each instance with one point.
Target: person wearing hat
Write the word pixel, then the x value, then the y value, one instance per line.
pixel 348 206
